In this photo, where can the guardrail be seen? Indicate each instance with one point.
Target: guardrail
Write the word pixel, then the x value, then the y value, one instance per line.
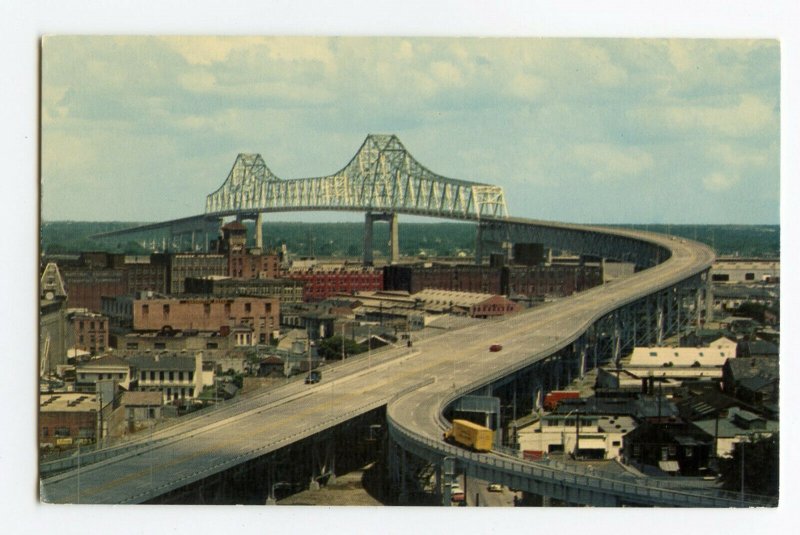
pixel 622 490
pixel 53 463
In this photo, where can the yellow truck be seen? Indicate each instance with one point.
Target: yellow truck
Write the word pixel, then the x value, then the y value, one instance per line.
pixel 470 435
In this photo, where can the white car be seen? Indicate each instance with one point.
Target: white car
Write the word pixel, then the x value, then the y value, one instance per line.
pixel 495 487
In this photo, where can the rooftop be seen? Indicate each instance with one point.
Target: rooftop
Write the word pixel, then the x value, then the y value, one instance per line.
pixel 163 361
pixel 68 402
pixel 104 361
pixel 141 399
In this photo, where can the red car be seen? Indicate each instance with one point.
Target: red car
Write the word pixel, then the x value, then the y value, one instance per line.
pixel 495 347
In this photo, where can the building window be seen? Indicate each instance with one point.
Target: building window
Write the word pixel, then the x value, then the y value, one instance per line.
pixel 191 376
pixel 247 307
pixel 160 345
pixel 132 345
pixel 145 310
pixel 749 276
pixel 151 413
pixel 171 376
pixel 207 310
pixel 80 325
pixel 227 309
pixel 161 376
pixel 180 376
pixel 62 431
pixel 45 431
pixel 152 376
pixel 166 311
pixel 143 375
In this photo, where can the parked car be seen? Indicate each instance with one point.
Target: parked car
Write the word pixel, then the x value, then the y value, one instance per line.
pixel 495 487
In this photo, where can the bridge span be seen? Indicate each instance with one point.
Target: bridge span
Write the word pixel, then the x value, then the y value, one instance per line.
pixel 416 386
pixel 382 180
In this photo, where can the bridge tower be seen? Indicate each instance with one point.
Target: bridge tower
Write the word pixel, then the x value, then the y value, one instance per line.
pixel 394 243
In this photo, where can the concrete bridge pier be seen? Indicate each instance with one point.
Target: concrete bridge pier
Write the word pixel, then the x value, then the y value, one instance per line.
pixel 394 240
pixel 259 231
pixel 323 460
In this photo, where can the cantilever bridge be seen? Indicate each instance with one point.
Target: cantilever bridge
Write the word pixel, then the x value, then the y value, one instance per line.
pixel 383 179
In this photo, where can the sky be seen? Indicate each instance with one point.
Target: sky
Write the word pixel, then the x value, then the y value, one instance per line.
pixel 578 130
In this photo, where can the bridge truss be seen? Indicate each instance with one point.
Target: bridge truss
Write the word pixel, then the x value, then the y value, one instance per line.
pixel 382 177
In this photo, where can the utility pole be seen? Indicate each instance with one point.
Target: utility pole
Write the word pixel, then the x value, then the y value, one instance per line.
pixel 343 356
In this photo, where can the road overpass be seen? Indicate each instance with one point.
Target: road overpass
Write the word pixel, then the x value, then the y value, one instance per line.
pixel 415 387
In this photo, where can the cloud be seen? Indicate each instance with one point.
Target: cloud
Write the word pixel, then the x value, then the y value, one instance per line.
pixel 611 163
pixel 747 115
pixel 718 182
pixel 209 50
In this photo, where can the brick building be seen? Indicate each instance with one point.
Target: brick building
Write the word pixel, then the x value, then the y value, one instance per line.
pixel 86 286
pixel 262 315
pixel 319 283
pixel 552 280
pixel 244 263
pixel 98 274
pixel 182 266
pixel 458 278
pixel 285 290
pixel 67 419
pixel 89 331
pixel 142 272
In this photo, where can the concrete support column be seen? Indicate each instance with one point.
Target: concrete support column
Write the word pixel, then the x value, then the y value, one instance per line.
pixel 479 245
pixel 582 357
pixel 259 232
pixel 368 260
pixel 616 342
pixel 659 319
pixel 394 239
pixel 403 498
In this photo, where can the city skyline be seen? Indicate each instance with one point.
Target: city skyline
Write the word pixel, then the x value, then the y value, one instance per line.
pixel 580 130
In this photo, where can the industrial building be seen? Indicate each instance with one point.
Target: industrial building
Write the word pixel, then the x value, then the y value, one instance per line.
pixel 262 315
